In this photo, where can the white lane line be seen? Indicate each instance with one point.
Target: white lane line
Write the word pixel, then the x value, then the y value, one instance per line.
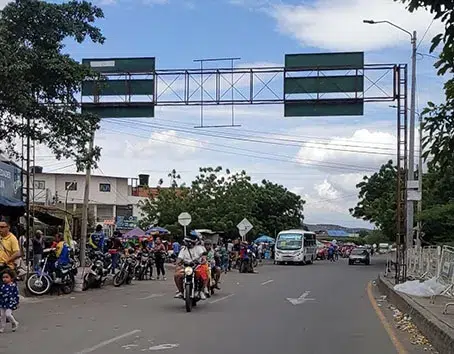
pixel 267 282
pixel 221 299
pixel 107 342
pixel 152 296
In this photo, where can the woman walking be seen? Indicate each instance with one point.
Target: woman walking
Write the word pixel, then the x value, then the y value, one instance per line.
pixel 159 252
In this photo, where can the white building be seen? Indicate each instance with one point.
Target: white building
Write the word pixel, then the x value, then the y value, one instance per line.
pixel 109 197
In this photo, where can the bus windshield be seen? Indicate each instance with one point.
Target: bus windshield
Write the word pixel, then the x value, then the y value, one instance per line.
pixel 289 242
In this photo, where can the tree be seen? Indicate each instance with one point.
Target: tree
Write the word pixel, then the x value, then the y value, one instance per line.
pixel 438 142
pixel 219 200
pixel 39 82
pixel 378 201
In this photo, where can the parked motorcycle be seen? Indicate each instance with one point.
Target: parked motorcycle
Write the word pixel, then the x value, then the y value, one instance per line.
pixel 47 275
pixel 190 286
pixel 126 272
pixel 101 266
pixel 145 261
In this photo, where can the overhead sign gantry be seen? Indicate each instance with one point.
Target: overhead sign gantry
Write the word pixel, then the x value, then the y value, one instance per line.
pixel 307 85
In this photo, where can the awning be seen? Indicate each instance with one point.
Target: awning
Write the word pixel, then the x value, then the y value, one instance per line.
pixel 11 207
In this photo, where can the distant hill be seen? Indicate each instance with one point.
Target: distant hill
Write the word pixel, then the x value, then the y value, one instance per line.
pixel 324 227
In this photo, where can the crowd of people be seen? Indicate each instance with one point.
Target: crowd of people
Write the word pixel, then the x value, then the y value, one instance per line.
pixel 212 259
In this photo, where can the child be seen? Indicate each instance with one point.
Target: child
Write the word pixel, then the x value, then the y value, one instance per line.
pixel 9 299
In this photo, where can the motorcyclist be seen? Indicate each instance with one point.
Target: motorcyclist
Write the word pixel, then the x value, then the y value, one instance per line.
pixel 62 252
pixel 191 251
pixel 211 259
pixel 97 239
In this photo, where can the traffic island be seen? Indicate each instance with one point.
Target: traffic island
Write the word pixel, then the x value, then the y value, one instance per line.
pixel 437 327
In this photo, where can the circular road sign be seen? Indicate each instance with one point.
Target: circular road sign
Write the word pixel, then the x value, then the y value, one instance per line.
pixel 184 219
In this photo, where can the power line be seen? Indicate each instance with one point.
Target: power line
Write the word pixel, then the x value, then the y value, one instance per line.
pixel 274 141
pixel 425 33
pixel 281 158
pixel 275 136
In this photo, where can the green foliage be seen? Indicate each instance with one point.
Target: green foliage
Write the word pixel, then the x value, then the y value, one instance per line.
pixel 377 200
pixel 39 82
pixel 376 236
pixel 219 200
pixel 363 233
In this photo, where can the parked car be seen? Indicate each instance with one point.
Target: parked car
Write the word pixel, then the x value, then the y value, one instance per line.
pixel 359 255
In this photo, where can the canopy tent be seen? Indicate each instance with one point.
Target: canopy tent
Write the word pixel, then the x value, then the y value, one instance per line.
pixel 136 232
pixel 11 207
pixel 157 231
pixel 264 239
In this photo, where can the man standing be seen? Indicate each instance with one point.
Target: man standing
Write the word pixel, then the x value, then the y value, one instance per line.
pixel 38 247
pixel 9 247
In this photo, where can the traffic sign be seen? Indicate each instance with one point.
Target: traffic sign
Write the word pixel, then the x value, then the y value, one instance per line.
pixel 184 219
pixel 244 227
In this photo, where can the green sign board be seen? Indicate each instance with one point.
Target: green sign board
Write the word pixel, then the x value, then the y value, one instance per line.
pixel 123 78
pixel 317 75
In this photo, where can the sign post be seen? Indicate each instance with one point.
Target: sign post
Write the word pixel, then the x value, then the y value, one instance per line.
pixel 184 219
pixel 244 227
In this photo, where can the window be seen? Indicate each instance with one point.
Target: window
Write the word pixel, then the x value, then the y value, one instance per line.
pixel 39 184
pixel 104 187
pixel 71 186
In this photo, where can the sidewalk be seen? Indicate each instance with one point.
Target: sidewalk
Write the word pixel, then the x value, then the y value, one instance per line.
pixel 429 318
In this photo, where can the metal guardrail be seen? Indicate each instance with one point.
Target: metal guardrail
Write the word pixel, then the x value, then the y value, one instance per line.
pixel 433 261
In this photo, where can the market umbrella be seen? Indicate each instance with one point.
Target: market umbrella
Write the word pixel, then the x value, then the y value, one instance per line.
pixel 136 232
pixel 157 230
pixel 264 239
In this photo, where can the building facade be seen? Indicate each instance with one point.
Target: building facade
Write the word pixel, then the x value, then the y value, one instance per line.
pixel 109 198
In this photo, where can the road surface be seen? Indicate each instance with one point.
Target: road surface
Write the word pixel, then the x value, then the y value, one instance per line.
pixel 254 313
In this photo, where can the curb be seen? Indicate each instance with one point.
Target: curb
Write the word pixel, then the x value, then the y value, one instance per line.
pixel 440 335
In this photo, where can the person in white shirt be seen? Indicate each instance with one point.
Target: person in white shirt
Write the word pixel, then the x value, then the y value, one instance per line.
pixel 191 252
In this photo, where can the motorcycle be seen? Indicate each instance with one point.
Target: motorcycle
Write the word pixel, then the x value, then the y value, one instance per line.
pixel 190 286
pixel 101 266
pixel 126 272
pixel 145 261
pixel 49 274
pixel 246 262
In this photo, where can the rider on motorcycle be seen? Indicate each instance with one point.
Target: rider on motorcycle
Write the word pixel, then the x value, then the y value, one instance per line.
pixel 215 270
pixel 191 251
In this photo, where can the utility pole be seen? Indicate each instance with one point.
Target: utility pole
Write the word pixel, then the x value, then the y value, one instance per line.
pixel 420 172
pixel 84 223
pixel 411 150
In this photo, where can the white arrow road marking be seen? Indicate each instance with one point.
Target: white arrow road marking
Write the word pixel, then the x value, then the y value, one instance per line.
pixel 267 282
pixel 221 298
pixel 300 300
pixel 107 342
pixel 162 347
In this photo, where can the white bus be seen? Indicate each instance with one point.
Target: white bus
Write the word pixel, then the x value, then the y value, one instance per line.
pixel 296 246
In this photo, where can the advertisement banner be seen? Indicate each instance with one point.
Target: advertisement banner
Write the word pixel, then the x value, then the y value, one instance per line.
pixel 10 181
pixel 126 222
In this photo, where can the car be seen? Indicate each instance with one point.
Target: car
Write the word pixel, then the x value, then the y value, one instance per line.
pixel 359 255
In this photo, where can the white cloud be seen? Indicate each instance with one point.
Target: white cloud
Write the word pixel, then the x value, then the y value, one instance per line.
pixel 3 3
pixel 364 148
pixel 162 144
pixel 326 190
pixel 337 25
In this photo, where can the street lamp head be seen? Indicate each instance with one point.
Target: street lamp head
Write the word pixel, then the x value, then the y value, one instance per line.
pixel 370 22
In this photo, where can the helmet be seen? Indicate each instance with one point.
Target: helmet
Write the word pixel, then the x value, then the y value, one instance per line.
pixel 191 240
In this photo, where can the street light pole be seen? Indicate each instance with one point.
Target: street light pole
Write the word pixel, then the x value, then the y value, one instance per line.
pixel 411 138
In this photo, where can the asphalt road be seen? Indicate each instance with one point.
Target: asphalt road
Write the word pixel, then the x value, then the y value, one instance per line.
pixel 251 314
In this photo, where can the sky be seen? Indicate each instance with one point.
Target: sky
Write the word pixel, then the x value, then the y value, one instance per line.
pixel 320 158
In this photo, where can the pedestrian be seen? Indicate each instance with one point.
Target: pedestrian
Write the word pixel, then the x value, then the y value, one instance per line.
pixel 115 250
pixel 9 300
pixel 159 252
pixel 38 247
pixel 9 247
